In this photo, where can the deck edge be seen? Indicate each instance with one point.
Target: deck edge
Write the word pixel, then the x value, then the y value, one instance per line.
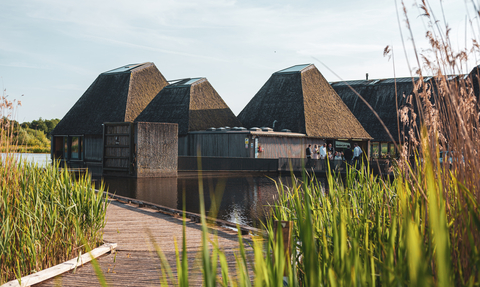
pixel 61 268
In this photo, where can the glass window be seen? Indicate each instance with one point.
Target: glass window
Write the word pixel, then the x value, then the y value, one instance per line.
pixel 384 150
pixel 191 81
pixel 296 68
pixel 76 148
pixel 122 69
pixel 80 150
pixel 58 147
pixel 392 151
pixel 65 147
pixel 374 150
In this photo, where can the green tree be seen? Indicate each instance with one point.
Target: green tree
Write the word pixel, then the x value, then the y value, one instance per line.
pixel 46 126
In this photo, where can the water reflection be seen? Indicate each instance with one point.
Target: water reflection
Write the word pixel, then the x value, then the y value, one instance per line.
pixel 239 199
pixel 162 191
pixel 41 159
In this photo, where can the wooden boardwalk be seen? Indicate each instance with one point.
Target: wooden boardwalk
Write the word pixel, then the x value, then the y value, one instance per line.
pixel 135 263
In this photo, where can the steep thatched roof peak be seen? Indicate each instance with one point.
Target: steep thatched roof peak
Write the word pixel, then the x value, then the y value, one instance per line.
pixel 475 74
pixel 192 103
pixel 385 96
pixel 295 69
pixel 125 69
pixel 118 95
pixel 382 97
pixel 299 98
pixel 185 82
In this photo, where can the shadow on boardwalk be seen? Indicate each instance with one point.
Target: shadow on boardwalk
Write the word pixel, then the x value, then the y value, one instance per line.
pixel 135 263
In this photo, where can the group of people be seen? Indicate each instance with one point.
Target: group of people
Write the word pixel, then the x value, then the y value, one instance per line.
pixel 323 152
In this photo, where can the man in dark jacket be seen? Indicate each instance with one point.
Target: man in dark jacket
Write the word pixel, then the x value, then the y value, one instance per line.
pixel 309 151
pixel 348 154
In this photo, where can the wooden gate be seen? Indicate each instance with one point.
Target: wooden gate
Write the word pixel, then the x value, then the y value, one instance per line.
pixel 118 148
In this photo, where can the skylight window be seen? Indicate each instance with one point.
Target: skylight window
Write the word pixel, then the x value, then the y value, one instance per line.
pixel 296 68
pixel 123 69
pixel 191 81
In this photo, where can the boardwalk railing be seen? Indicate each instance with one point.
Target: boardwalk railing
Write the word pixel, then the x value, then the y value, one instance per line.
pixel 192 216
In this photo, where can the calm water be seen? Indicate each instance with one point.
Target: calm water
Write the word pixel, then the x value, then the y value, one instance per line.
pixel 241 199
pixel 42 159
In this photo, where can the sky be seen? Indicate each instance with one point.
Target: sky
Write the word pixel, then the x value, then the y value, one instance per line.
pixel 52 50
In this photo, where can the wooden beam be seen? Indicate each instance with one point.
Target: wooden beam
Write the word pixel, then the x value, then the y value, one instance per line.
pixel 56 270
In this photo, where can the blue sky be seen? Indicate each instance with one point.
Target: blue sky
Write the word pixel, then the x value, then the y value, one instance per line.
pixel 52 50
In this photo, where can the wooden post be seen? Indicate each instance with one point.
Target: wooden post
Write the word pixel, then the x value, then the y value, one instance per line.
pixel 286 227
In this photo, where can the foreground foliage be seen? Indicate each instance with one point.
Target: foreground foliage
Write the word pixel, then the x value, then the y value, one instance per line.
pixel 421 228
pixel 46 216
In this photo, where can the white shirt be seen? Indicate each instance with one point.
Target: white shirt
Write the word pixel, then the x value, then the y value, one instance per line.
pixel 357 151
pixel 323 152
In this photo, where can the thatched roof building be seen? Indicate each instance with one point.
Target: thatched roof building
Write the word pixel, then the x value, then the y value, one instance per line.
pixel 380 94
pixel 191 103
pixel 385 96
pixel 118 95
pixel 475 74
pixel 301 100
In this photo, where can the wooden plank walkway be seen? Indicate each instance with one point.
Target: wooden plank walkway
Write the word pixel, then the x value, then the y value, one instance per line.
pixel 135 263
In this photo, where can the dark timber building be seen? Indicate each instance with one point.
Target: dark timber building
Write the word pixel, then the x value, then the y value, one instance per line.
pixel 384 100
pixel 299 100
pixel 118 95
pixel 194 105
pixel 475 76
pixel 392 100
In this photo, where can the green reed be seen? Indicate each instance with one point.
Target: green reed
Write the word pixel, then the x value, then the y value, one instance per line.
pixel 370 231
pixel 419 228
pixel 46 215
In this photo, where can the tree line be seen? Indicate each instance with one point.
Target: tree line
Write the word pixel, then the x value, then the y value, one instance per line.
pixel 46 126
pixel 33 136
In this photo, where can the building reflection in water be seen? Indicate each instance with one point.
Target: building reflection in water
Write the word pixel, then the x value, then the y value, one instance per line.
pixel 238 199
pixel 161 191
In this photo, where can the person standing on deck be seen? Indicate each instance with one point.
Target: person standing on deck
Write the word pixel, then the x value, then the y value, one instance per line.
pixel 348 154
pixel 357 152
pixel 309 151
pixel 315 152
pixel 330 151
pixel 323 151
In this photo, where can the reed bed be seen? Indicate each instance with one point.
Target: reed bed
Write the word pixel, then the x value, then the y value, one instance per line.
pixel 419 228
pixel 47 216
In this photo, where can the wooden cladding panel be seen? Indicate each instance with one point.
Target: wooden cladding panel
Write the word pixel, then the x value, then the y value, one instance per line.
pixel 221 144
pixel 117 152
pixel 116 129
pixel 93 148
pixel 115 163
pixel 117 146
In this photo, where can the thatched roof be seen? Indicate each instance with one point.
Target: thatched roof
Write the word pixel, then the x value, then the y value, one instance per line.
pixel 191 103
pixel 118 95
pixel 301 100
pixel 380 94
pixel 475 74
